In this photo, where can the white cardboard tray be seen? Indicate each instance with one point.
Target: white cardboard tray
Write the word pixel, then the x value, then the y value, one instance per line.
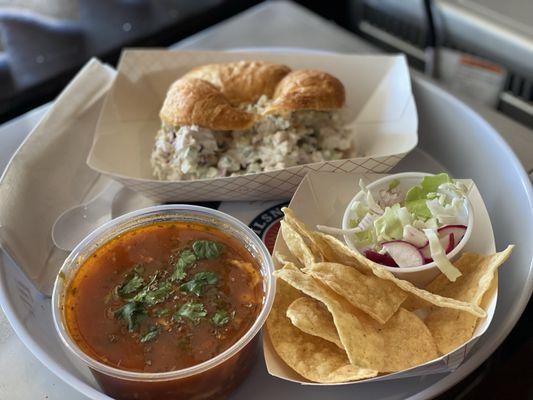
pixel 314 204
pixel 380 113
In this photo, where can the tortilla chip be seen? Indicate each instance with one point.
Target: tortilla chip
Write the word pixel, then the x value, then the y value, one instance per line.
pixel 407 341
pixel 312 317
pixel 413 303
pixel 333 250
pixel 363 344
pixel 312 357
pixel 343 254
pixel 303 231
pixel 297 245
pixel 404 341
pixel 452 328
pixel 377 297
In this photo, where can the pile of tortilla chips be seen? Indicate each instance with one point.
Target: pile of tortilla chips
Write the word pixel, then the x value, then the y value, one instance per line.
pixel 340 317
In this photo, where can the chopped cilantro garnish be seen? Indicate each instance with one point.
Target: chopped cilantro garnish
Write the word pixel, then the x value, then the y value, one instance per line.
pixel 162 312
pixel 139 297
pixel 186 259
pixel 132 284
pixel 150 335
pixel 192 311
pixel 197 284
pixel 131 312
pixel 220 318
pixel 151 297
pixel 207 249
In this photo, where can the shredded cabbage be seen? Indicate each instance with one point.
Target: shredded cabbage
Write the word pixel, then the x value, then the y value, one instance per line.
pixel 389 225
pixel 359 209
pixel 439 256
pixel 404 216
pixel 452 214
pixel 428 224
pixel 437 201
pixel 370 202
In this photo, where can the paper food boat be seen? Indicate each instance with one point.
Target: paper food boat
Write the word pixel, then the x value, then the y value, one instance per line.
pixel 379 104
pixel 316 203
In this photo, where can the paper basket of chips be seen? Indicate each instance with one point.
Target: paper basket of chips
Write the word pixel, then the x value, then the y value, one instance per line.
pixel 340 318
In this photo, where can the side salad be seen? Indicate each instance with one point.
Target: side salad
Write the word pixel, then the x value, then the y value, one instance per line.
pixel 411 228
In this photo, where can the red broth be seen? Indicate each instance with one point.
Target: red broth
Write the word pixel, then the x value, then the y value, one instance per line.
pixel 163 297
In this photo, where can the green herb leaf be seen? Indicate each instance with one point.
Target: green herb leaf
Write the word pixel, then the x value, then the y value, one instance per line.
pixel 207 249
pixel 220 318
pixel 132 284
pixel 197 284
pixel 131 312
pixel 186 259
pixel 191 311
pixel 150 335
pixel 162 312
pixel 157 295
pixel 152 296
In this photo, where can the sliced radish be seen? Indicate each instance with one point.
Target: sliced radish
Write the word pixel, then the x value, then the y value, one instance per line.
pixel 404 253
pixel 447 243
pixel 426 252
pixel 457 230
pixel 450 244
pixel 414 236
pixel 383 259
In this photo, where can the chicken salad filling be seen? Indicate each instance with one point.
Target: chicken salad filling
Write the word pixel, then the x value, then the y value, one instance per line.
pixel 273 142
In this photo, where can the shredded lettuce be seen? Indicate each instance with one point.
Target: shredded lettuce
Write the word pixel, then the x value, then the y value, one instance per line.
pixel 427 224
pixel 415 202
pixel 437 200
pixel 431 183
pixel 389 225
pixel 359 209
pixel 365 238
pixel 452 214
pixel 433 187
pixel 404 216
pixel 370 202
pixel 439 256
pixel 453 189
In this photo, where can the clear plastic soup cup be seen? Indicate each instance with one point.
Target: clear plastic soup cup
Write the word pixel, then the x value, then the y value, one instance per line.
pixel 214 378
pixel 425 273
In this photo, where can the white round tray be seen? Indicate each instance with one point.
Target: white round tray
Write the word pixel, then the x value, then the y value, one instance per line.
pixel 452 137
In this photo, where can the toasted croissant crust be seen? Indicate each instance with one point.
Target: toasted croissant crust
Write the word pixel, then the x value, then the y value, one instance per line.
pixel 207 96
pixel 307 89
pixel 197 102
pixel 242 81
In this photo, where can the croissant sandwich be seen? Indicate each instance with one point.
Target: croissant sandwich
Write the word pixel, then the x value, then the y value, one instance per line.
pixel 248 116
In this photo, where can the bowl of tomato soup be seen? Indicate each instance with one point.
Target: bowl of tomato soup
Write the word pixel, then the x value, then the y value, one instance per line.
pixel 165 302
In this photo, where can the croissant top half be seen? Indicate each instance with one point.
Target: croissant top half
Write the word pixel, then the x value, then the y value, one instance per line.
pixel 209 96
